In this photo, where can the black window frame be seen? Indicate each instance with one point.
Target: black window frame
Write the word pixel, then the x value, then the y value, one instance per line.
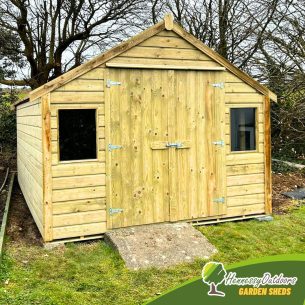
pixel 255 128
pixel 96 135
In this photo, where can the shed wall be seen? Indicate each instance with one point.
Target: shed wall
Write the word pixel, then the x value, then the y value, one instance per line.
pixel 78 195
pixel 245 170
pixel 29 157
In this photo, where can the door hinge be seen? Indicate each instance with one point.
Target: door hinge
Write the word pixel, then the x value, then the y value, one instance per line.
pixel 219 200
pixel 112 147
pixel 219 85
pixel 175 145
pixel 113 211
pixel 111 83
pixel 221 143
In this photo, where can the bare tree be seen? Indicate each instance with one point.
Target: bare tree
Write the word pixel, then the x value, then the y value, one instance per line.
pixel 57 34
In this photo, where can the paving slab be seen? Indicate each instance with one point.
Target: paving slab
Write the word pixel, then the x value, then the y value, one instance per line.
pixel 159 245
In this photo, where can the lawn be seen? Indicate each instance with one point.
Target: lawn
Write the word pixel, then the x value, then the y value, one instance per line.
pixel 92 273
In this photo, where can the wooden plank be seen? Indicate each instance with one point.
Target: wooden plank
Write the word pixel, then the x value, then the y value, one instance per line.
pixel 108 164
pixel 220 153
pixel 245 158
pixel 166 53
pixel 245 169
pixel 245 179
pixel 238 88
pixel 30 164
pixel 77 97
pixel 99 107
pixel 267 149
pixel 85 85
pixel 258 106
pixel 79 193
pixel 97 73
pixel 206 67
pixel 166 33
pixel 37 215
pixel 246 200
pixel 79 218
pixel 78 169
pixel 79 230
pixel 231 78
pixel 34 110
pixel 246 210
pixel 31 130
pixel 33 152
pixel 101 158
pixel 245 189
pixel 244 98
pixel 78 181
pixel 35 121
pixel 167 42
pixel 37 143
pixel 79 206
pixel 153 63
pixel 168 22
pixel 29 104
pixel 47 169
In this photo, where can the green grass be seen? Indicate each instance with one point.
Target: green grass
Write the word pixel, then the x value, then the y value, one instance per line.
pixel 92 273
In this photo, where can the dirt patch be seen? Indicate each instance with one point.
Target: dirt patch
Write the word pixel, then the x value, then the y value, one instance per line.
pixel 21 227
pixel 8 158
pixel 285 183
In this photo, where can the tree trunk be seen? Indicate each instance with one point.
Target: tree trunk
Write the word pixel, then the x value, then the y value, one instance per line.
pixel 214 292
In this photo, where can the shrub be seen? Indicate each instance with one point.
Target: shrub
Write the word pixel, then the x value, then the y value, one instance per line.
pixel 7 121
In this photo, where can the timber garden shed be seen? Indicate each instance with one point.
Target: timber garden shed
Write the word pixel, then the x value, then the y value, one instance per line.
pixel 158 129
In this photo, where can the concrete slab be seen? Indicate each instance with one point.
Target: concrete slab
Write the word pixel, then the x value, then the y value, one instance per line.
pixel 159 245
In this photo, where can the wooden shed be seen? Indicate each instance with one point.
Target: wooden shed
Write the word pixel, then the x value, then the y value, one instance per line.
pixel 158 129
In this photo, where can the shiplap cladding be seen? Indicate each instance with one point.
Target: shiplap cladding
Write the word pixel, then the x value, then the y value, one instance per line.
pixel 78 196
pixel 29 157
pixel 245 170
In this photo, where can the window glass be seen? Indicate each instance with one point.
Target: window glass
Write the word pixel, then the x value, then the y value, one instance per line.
pixel 77 134
pixel 243 129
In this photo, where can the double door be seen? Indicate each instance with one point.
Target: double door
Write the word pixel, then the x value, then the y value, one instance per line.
pixel 165 149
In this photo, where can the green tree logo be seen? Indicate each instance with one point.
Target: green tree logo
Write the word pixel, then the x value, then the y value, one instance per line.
pixel 213 274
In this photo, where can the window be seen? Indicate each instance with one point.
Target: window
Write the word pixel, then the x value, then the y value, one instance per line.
pixel 243 129
pixel 77 134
